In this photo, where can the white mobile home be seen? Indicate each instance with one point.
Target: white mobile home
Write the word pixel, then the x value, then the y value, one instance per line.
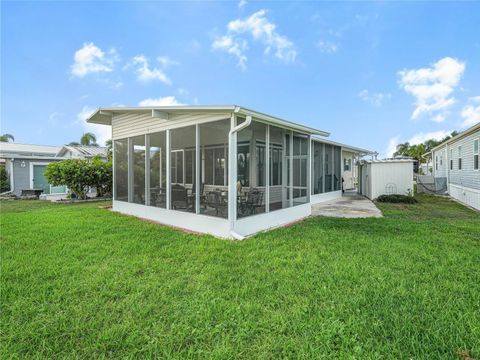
pixel 224 170
pixel 456 163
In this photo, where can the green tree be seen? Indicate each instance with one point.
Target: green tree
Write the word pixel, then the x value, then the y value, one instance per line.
pixel 109 145
pixel 80 175
pixel 7 138
pixel 89 139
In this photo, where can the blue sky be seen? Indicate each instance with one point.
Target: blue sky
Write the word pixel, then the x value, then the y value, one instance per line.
pixel 372 73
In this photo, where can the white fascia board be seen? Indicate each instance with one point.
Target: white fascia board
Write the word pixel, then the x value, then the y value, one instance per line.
pixel 104 115
pixel 345 147
pixel 283 123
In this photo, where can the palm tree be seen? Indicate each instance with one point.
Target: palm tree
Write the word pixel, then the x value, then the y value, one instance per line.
pixel 88 139
pixel 7 138
pixel 109 145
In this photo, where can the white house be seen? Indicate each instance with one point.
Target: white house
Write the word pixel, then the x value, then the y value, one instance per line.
pixel 224 170
pixel 456 163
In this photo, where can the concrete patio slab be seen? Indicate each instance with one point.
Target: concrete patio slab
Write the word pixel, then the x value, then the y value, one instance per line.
pixel 348 206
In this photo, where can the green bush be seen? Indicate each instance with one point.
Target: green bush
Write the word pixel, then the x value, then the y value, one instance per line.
pixel 4 180
pixel 80 175
pixel 395 198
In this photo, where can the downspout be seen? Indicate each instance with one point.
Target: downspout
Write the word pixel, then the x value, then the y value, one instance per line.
pixel 232 184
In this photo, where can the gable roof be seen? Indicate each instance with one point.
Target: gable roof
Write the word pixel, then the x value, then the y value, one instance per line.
pixel 104 116
pixel 83 151
pixel 14 149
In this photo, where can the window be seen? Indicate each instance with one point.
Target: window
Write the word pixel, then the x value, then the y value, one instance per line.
pixel 451 159
pixel 347 164
pixel 337 166
pixel 182 168
pixel 214 170
pixel 121 169
pixel 260 161
pixel 318 167
pixel 279 175
pixel 476 153
pixel 300 161
pixel 189 166
pixel 441 160
pixel 436 162
pixel 138 164
pixel 328 168
pixel 158 169
pixel 251 156
pixel 459 158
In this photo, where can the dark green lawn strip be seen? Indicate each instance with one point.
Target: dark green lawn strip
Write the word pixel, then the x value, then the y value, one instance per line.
pixel 80 281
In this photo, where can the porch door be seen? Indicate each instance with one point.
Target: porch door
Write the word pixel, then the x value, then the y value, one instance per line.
pixel 348 172
pixel 39 179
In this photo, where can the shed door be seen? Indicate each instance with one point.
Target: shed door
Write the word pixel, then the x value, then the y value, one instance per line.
pixel 39 180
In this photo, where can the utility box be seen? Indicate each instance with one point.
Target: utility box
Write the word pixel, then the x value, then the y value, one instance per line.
pixel 385 177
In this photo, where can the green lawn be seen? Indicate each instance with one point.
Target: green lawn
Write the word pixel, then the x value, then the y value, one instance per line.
pixel 79 281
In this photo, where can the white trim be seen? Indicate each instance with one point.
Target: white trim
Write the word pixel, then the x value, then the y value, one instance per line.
pixel 478 154
pixel 33 163
pixel 168 182
pixel 267 169
pixel 189 221
pixel 147 169
pixel 477 191
pixel 261 222
pixel 198 165
pixel 465 195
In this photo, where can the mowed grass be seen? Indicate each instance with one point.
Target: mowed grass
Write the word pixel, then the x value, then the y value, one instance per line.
pixel 79 281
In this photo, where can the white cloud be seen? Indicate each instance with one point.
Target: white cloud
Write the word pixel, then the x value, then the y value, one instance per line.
pixel 241 4
pixel 146 73
pixel 234 47
pixel 102 132
pixel 161 101
pixel 376 99
pixel 420 138
pixel 392 146
pixel 92 59
pixel 433 86
pixel 261 30
pixel 166 62
pixel 471 113
pixel 327 47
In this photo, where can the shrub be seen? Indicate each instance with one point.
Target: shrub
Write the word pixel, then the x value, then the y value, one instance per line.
pixel 395 198
pixel 80 175
pixel 4 180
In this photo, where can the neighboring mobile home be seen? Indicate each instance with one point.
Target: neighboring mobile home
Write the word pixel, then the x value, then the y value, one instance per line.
pixel 456 163
pixel 26 164
pixel 224 170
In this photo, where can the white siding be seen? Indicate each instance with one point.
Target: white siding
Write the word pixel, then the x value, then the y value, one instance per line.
pixel 132 124
pixel 380 178
pixel 467 176
pixel 467 196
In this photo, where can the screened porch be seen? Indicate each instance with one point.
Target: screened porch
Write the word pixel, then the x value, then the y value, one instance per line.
pixel 186 169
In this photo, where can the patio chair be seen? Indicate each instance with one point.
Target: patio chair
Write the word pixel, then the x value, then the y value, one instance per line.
pixel 253 202
pixel 215 200
pixel 179 197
